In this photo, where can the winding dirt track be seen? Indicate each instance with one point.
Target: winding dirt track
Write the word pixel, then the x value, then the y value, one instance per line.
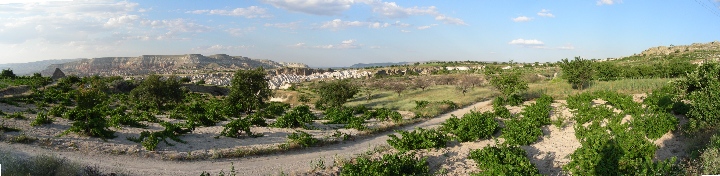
pixel 288 162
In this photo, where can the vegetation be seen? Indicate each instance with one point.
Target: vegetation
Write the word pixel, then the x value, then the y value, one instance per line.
pixel 303 139
pixel 249 91
pixel 389 164
pixel 299 116
pixel 503 160
pixel 334 93
pixel 13 164
pixel 155 93
pixel 472 126
pixel 418 139
pixel 578 72
pixel 526 130
pixel 509 83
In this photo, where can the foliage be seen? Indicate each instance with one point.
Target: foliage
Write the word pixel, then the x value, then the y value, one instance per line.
pixel 235 128
pixel 509 83
pixel 383 114
pixel 616 148
pixel 472 126
pixel 578 72
pixel 527 130
pixel 15 115
pixel 249 90
pixel 41 119
pixel 334 93
pixel 339 115
pixel 303 139
pixel 607 71
pixel 7 74
pixel 90 122
pixel 503 160
pixel 389 164
pixel 418 139
pixel 276 108
pixel 150 140
pixel 702 90
pixel 154 93
pixel 43 165
pixel 296 117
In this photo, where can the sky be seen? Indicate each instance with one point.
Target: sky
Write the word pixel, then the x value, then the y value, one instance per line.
pixel 324 33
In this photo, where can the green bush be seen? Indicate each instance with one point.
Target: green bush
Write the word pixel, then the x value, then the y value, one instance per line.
pixel 13 164
pixel 472 126
pixel 16 115
pixel 710 161
pixel 235 128
pixel 421 104
pixel 150 140
pixel 521 132
pixel 390 164
pixel 418 139
pixel 303 139
pixel 339 115
pixel 298 116
pixel 41 119
pixel 90 122
pixel 503 160
pixel 276 108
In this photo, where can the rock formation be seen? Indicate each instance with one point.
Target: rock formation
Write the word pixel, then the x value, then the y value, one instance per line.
pixel 57 74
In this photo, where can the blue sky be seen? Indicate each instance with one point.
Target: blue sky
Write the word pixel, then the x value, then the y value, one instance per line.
pixel 345 32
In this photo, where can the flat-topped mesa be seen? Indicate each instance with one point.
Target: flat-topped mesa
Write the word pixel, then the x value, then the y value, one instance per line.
pixel 162 64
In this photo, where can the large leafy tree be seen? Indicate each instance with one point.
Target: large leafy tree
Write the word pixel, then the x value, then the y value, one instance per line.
pixel 249 90
pixel 607 71
pixel 702 89
pixel 335 93
pixel 156 92
pixel 578 72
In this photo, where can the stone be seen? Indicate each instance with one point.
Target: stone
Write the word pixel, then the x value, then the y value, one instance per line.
pixel 57 74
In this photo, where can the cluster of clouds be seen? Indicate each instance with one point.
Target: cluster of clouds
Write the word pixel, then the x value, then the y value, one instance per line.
pixel 345 44
pixel 537 44
pixel 543 13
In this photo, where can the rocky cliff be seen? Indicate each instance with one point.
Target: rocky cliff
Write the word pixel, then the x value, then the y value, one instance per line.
pixel 162 64
pixel 665 50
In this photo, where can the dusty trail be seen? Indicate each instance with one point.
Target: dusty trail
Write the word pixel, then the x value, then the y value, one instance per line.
pixel 288 162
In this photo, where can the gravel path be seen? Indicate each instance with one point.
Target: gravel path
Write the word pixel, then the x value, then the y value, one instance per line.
pixel 288 162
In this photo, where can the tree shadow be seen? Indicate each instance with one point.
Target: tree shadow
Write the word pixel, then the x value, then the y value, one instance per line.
pixel 544 161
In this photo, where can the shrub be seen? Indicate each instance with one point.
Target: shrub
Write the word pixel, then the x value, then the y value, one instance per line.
pixel 383 114
pixel 149 140
pixel 276 108
pixel 235 128
pixel 302 138
pixel 421 104
pixel 90 122
pixel 297 117
pixel 521 132
pixel 710 161
pixel 41 119
pixel 16 115
pixel 339 115
pixel 42 165
pixel 472 126
pixel 418 139
pixel 503 160
pixel 390 164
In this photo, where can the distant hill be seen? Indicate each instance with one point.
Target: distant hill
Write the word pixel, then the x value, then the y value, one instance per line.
pixel 163 64
pixel 363 65
pixel 33 67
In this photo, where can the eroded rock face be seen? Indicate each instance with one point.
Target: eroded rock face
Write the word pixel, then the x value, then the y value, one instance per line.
pixel 57 74
pixel 163 64
pixel 665 50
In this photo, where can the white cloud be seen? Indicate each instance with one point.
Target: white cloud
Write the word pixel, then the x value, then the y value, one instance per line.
pixel 404 31
pixel 386 9
pixel 240 31
pixel 567 47
pixel 122 21
pixel 337 24
pixel 291 25
pixel 345 44
pixel 608 2
pixel 315 7
pixel 528 43
pixel 249 12
pixel 426 27
pixel 545 13
pixel 219 48
pixel 521 19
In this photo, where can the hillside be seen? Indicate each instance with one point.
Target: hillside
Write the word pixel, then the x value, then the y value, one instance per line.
pixel 162 64
pixel 33 67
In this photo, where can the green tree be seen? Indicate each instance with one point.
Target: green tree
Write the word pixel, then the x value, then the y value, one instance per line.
pixel 335 93
pixel 702 89
pixel 249 90
pixel 578 72
pixel 157 92
pixel 509 83
pixel 607 71
pixel 7 73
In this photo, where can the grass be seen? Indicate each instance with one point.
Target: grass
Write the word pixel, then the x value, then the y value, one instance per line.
pixel 14 164
pixel 560 89
pixel 406 101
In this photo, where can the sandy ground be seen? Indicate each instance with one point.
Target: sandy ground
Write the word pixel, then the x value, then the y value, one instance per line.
pixel 549 154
